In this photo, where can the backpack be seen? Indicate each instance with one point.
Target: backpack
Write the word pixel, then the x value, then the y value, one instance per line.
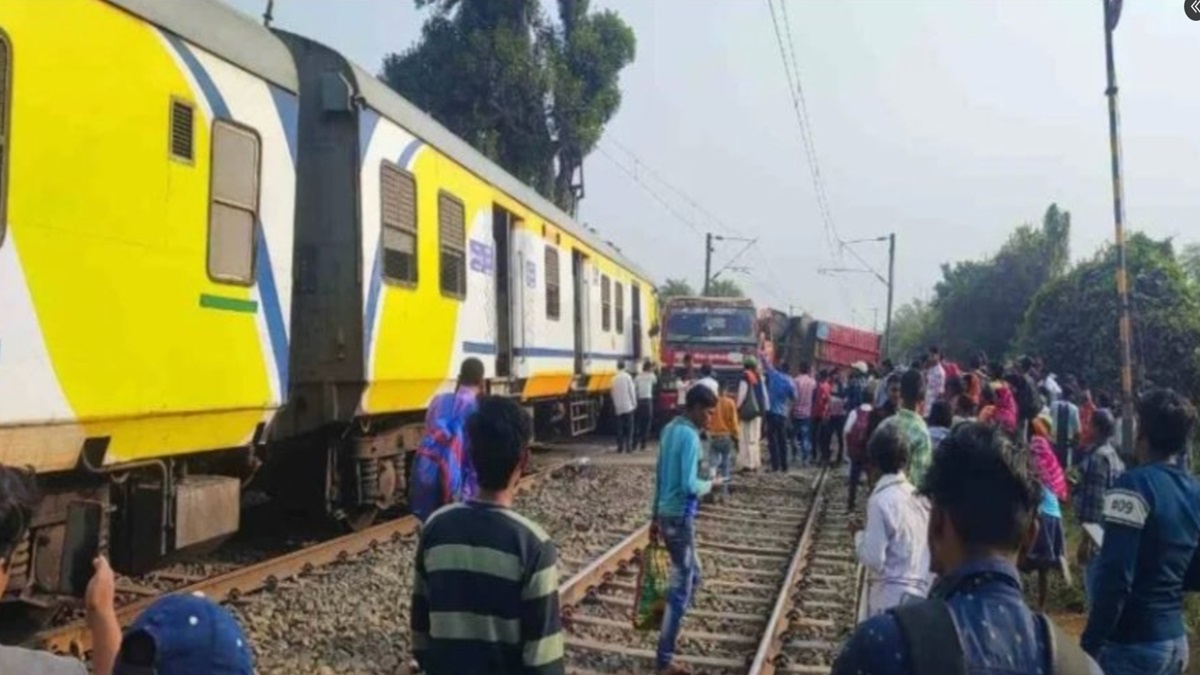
pixel 934 647
pixel 856 440
pixel 749 410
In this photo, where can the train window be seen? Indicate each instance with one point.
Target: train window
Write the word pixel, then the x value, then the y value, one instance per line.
pixel 233 207
pixel 5 85
pixel 452 235
pixel 605 303
pixel 553 298
pixel 183 116
pixel 398 215
pixel 620 308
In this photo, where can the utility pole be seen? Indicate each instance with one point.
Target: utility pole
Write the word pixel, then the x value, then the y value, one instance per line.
pixel 269 15
pixel 891 284
pixel 708 251
pixel 1112 14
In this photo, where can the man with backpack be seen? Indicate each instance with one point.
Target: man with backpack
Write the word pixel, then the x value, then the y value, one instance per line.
pixel 858 430
pixel 984 496
pixel 751 397
pixel 1066 426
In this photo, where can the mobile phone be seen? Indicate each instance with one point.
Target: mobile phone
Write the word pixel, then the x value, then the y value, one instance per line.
pixel 81 545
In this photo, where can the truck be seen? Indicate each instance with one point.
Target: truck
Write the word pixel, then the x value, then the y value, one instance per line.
pixel 823 344
pixel 721 332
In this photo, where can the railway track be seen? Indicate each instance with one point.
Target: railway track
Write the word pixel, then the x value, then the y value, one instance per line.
pixel 73 638
pixel 780 587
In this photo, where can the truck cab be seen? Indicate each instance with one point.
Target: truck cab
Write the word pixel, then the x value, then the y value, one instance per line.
pixel 716 331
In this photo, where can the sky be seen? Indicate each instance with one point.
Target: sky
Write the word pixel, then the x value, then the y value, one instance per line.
pixel 947 122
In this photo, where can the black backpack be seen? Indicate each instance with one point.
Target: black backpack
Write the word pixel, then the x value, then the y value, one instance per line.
pixel 934 647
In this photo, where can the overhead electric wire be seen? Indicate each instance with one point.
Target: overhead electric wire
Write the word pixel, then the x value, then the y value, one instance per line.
pixel 772 287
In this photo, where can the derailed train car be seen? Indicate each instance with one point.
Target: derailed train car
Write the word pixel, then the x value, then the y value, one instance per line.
pixel 230 258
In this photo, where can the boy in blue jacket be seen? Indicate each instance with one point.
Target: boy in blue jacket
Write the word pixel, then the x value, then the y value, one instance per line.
pixel 1148 557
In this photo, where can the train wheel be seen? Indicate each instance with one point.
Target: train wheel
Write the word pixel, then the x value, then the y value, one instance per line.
pixel 361 518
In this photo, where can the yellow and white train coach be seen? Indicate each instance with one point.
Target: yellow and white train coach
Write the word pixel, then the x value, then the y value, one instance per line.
pixel 230 256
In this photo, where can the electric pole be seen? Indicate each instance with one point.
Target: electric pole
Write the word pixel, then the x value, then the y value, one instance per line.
pixel 891 284
pixel 708 251
pixel 1112 14
pixel 269 15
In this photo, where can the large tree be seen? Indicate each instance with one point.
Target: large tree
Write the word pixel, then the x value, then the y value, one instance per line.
pixel 1189 258
pixel 531 94
pixel 979 304
pixel 1073 322
pixel 725 288
pixel 674 288
pixel 913 328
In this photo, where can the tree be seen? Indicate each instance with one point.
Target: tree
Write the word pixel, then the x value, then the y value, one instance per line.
pixel 1073 322
pixel 588 53
pixel 1189 258
pixel 979 305
pixel 913 328
pixel 674 288
pixel 725 288
pixel 532 96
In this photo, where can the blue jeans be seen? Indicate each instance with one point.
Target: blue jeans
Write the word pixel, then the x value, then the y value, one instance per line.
pixel 625 432
pixel 804 438
pixel 720 450
pixel 679 536
pixel 1169 657
pixel 1089 577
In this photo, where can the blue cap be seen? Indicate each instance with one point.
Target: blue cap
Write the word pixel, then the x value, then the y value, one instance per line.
pixel 185 635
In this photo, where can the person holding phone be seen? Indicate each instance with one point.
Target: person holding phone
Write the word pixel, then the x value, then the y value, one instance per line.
pixel 18 500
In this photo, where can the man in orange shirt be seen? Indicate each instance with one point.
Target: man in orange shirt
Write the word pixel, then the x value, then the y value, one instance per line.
pixel 723 437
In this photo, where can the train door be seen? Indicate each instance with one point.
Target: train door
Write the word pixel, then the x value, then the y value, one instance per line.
pixel 635 306
pixel 579 272
pixel 502 222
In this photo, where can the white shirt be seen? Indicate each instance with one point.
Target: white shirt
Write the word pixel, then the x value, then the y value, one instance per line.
pixel 624 396
pixel 935 386
pixel 895 545
pixel 710 382
pixel 645 382
pixel 852 418
pixel 744 391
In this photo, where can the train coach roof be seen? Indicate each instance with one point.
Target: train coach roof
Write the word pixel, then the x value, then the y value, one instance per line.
pixel 224 31
pixel 382 98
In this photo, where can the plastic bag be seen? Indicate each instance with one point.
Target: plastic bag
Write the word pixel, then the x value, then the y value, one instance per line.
pixel 650 602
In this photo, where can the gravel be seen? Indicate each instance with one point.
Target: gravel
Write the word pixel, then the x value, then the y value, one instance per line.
pixel 352 618
pixel 762 519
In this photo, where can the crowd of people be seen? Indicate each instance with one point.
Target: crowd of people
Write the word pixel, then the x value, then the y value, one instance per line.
pixel 968 472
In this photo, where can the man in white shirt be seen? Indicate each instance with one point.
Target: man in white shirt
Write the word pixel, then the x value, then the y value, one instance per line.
pixel 624 398
pixel 644 384
pixel 935 380
pixel 707 379
pixel 894 547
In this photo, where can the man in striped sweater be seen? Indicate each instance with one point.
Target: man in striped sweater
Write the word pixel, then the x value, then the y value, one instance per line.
pixel 485 592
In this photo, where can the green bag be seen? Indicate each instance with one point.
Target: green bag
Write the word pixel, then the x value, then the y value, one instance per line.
pixel 650 601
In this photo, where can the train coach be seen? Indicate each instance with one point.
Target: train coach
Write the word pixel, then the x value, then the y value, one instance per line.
pixel 231 259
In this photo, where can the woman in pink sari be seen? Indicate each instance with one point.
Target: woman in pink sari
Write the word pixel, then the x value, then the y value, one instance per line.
pixel 1046 553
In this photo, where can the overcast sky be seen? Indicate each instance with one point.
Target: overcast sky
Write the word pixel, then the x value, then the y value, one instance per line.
pixel 948 122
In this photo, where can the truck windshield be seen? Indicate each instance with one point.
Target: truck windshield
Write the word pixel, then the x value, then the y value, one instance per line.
pixel 710 324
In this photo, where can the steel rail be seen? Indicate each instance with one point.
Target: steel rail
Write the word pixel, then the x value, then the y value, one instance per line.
pixel 74 638
pixel 772 640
